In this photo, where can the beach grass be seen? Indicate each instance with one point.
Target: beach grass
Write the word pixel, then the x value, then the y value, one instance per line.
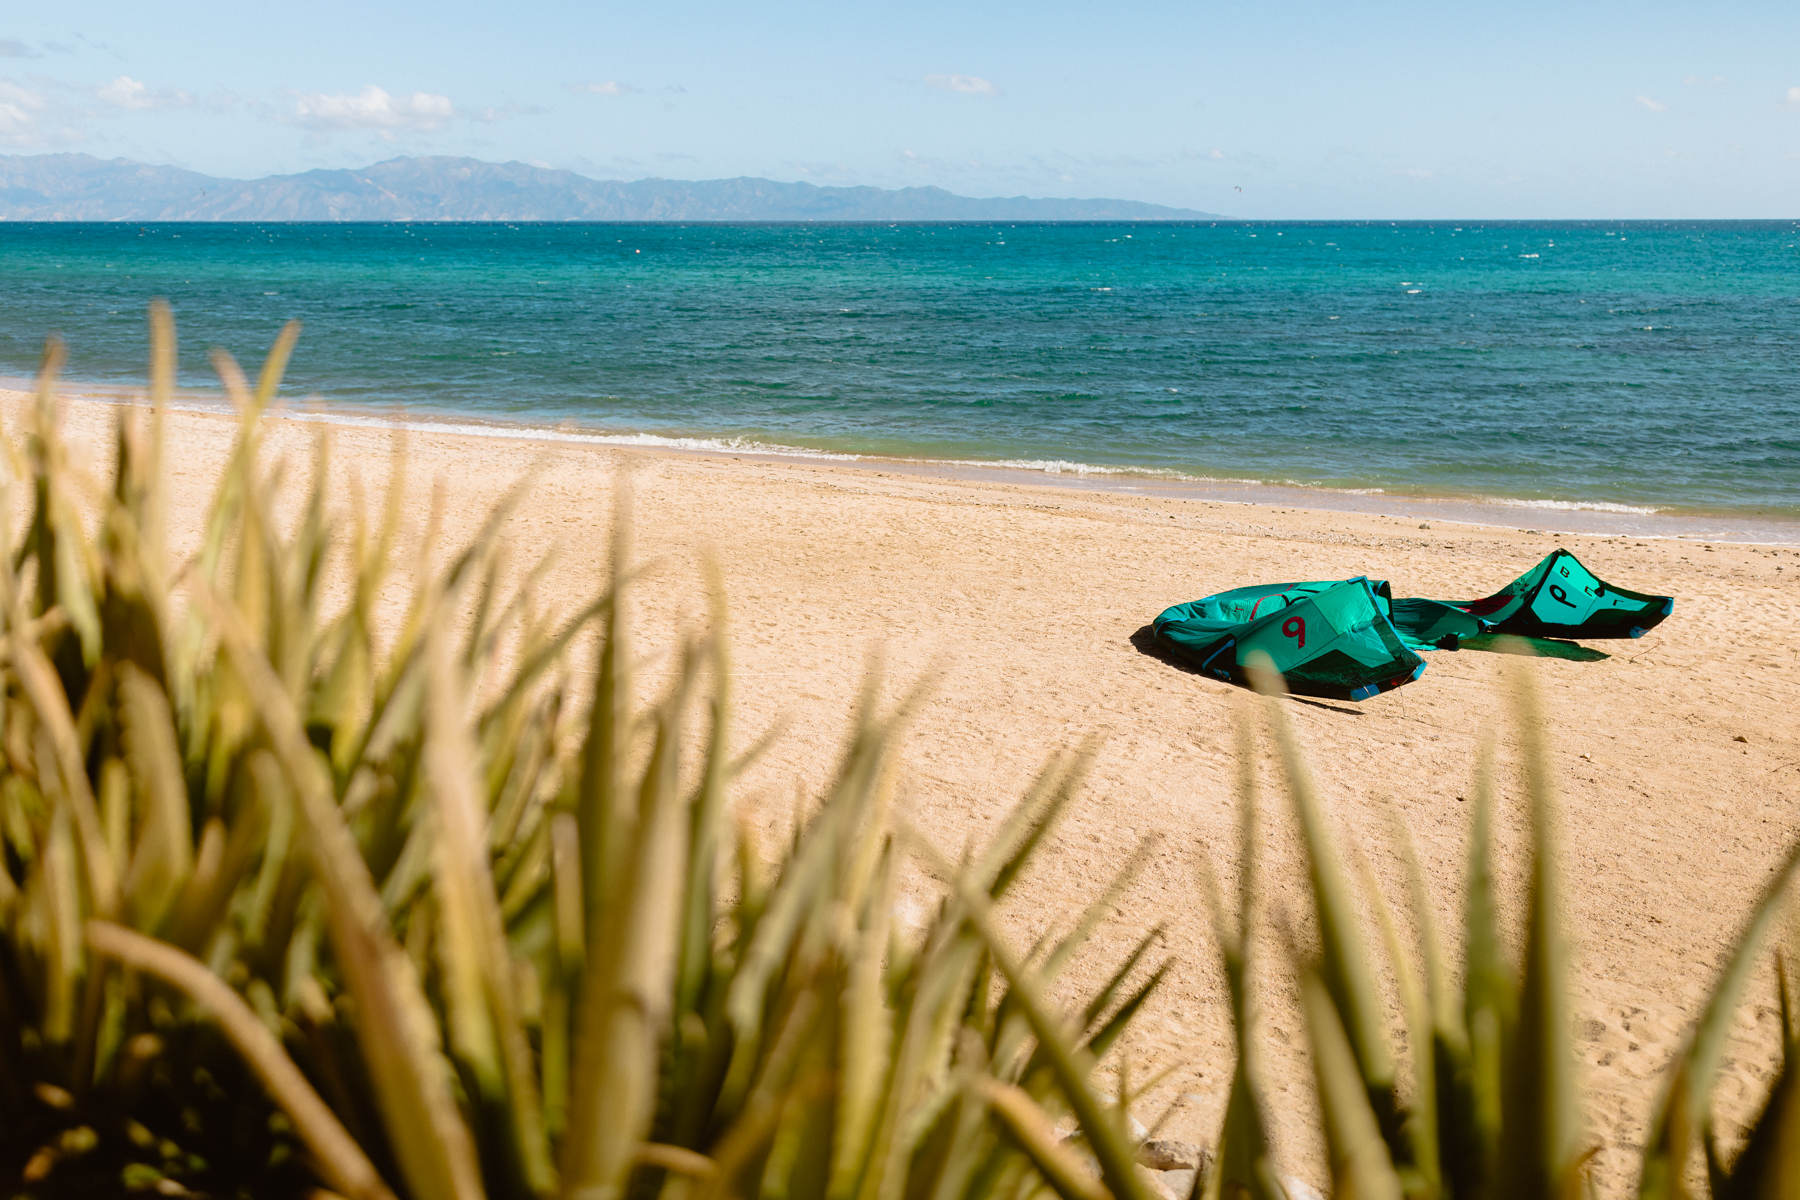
pixel 430 938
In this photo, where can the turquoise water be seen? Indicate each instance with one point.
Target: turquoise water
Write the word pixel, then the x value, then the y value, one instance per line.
pixel 1641 364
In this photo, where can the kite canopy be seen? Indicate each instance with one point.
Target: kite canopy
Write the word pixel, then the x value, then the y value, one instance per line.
pixel 1347 639
pixel 1560 598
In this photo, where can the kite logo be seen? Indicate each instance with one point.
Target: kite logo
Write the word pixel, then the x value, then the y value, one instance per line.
pixel 1560 596
pixel 1295 627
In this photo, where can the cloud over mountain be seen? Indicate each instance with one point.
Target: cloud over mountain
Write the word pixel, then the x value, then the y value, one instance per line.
pixel 373 108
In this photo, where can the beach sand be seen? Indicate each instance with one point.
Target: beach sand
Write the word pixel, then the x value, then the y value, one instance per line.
pixel 1677 758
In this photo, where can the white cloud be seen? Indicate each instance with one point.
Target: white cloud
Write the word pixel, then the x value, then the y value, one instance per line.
pixel 373 108
pixel 126 92
pixel 612 87
pixel 1652 105
pixel 1794 95
pixel 131 94
pixel 968 85
pixel 19 109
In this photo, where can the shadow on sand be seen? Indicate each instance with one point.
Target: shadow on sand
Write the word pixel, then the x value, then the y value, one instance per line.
pixel 1144 640
pixel 1534 647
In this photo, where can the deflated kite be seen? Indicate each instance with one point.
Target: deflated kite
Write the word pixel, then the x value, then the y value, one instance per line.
pixel 1350 639
pixel 1560 598
pixel 1347 639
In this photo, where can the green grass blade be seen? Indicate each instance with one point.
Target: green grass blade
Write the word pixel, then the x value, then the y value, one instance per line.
pixel 345 1167
pixel 1242 1167
pixel 165 851
pixel 1417 1153
pixel 600 804
pixel 1490 993
pixel 700 904
pixel 42 688
pixel 627 981
pixel 867 1036
pixel 1768 1165
pixel 1686 1104
pixel 1030 822
pixel 58 906
pixel 1030 1129
pixel 154 520
pixel 1103 1039
pixel 268 380
pixel 1540 1130
pixel 1345 966
pixel 1071 1067
pixel 398 1036
pixel 479 974
pixel 1360 1165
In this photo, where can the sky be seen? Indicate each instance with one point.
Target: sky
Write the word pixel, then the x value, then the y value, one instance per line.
pixel 1371 110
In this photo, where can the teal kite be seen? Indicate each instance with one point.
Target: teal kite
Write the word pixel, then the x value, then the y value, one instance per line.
pixel 1347 639
pixel 1560 598
pixel 1350 639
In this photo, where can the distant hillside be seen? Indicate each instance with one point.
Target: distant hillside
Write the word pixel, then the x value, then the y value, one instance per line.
pixel 79 187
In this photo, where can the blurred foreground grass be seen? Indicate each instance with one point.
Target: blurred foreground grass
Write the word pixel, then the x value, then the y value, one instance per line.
pixel 286 907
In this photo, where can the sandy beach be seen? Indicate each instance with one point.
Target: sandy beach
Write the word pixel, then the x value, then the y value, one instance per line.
pixel 1677 756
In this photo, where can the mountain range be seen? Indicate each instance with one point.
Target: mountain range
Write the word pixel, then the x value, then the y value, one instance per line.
pixel 80 187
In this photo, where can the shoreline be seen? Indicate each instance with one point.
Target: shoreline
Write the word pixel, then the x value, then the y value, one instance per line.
pixel 1546 516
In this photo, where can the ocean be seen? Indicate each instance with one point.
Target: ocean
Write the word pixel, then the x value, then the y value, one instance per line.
pixel 1631 367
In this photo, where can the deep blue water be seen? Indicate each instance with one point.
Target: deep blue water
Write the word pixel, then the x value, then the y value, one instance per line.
pixel 1636 363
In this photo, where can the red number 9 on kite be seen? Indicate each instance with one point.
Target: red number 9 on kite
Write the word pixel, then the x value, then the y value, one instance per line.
pixel 1295 627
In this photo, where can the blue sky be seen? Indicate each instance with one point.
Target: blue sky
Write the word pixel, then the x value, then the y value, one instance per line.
pixel 1341 110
